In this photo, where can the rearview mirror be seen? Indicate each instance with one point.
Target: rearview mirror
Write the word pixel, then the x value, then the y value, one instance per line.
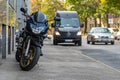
pixel 57 19
pixel 23 10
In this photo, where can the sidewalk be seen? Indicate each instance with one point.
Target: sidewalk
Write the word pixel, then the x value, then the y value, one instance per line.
pixel 49 69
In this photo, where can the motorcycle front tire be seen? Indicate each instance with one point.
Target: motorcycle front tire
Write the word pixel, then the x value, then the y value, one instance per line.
pixel 34 61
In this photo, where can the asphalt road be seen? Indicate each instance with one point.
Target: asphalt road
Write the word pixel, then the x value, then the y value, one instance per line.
pixel 67 62
pixel 107 54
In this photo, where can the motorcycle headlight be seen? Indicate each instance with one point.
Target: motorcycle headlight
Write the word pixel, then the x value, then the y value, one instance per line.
pixel 57 33
pixel 79 33
pixel 36 30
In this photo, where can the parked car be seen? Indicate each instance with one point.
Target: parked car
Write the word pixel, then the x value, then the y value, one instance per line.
pixel 100 34
pixel 118 35
pixel 114 31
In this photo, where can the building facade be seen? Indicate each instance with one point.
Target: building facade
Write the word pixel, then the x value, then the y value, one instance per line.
pixel 15 5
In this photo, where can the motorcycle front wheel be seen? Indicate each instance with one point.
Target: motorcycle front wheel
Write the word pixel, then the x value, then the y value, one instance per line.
pixel 27 63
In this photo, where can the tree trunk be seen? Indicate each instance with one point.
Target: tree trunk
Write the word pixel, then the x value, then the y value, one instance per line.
pixel 100 20
pixel 108 25
pixel 95 22
pixel 85 26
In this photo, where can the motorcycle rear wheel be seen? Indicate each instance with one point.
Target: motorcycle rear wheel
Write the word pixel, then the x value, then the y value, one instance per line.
pixel 31 61
pixel 17 55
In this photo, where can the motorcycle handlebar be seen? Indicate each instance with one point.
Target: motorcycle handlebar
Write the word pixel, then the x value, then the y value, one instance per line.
pixel 24 10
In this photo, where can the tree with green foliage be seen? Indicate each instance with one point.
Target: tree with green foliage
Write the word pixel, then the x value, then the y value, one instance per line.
pixel 95 9
pixel 85 9
pixel 108 7
pixel 113 3
pixel 49 7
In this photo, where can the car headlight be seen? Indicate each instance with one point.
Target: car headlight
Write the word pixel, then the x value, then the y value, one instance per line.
pixel 79 33
pixel 111 36
pixel 95 36
pixel 57 33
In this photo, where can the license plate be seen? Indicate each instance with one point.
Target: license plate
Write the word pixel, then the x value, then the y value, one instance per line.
pixel 68 40
pixel 104 39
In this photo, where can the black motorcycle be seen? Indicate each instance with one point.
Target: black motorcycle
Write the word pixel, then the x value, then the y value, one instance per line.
pixel 31 40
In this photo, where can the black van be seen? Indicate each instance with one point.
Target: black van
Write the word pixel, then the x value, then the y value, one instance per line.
pixel 67 28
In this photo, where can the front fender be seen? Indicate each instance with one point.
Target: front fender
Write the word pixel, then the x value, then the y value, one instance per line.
pixel 36 43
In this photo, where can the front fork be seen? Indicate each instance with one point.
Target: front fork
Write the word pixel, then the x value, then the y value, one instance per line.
pixel 27 47
pixel 29 41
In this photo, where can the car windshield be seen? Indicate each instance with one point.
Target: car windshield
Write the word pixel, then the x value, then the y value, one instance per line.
pixel 68 22
pixel 113 30
pixel 100 30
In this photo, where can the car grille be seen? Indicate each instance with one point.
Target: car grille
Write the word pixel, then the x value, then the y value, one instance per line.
pixel 104 37
pixel 68 34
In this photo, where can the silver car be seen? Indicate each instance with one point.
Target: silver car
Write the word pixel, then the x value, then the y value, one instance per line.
pixel 118 35
pixel 100 34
